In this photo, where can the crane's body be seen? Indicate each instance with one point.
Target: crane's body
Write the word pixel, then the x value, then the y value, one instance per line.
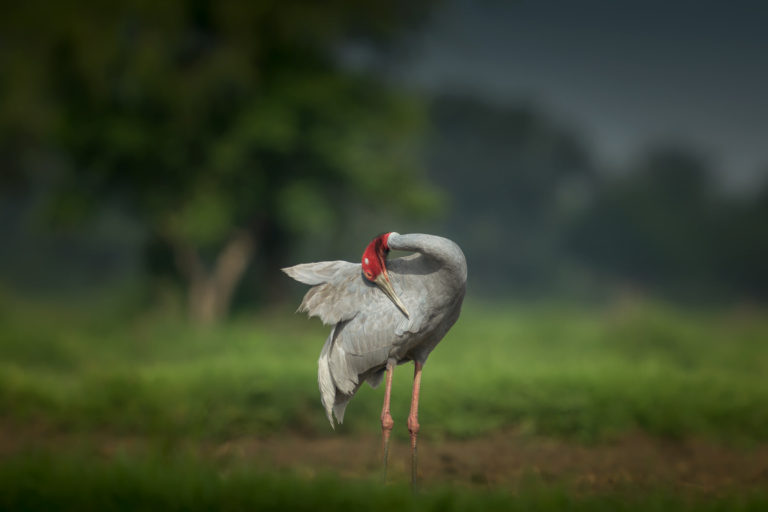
pixel 382 317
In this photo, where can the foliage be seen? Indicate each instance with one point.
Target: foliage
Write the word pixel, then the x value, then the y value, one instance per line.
pixel 569 372
pixel 73 373
pixel 206 120
pixel 538 216
pixel 73 482
pixel 516 177
pixel 665 226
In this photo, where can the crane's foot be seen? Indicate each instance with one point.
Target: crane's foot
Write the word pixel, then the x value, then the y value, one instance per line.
pixel 413 428
pixel 386 418
pixel 413 419
pixel 387 423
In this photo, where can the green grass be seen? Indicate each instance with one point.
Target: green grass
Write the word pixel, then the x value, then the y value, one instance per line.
pixel 72 483
pixel 554 370
pixel 74 380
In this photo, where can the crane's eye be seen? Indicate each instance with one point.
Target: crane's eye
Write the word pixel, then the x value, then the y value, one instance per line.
pixel 368 274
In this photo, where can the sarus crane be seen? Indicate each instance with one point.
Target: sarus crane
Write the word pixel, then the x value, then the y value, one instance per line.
pixel 383 313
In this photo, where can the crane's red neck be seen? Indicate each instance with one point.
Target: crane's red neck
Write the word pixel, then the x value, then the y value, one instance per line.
pixel 375 257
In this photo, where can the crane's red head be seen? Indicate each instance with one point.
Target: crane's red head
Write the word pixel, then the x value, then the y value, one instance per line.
pixel 375 258
pixel 375 268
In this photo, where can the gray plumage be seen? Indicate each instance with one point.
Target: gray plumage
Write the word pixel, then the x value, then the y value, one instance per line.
pixel 368 329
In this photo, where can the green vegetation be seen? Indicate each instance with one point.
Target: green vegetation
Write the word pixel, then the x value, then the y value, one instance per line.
pixel 214 127
pixel 100 417
pixel 582 374
pixel 39 483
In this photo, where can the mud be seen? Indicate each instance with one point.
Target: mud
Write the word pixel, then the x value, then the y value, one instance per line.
pixel 511 460
pixel 506 460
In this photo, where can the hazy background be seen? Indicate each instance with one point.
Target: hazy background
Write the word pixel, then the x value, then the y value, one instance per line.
pixel 570 149
pixel 603 165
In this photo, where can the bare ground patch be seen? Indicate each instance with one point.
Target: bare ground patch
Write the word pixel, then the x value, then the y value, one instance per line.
pixel 502 460
pixel 511 460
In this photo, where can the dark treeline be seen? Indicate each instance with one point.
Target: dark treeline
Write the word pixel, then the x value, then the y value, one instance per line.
pixel 223 132
pixel 537 216
pixel 203 145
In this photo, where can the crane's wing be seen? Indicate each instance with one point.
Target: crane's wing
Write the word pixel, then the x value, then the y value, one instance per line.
pixel 341 293
pixel 321 272
pixel 338 293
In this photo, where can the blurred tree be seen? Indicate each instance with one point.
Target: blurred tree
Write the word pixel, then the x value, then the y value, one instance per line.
pixel 516 178
pixel 741 251
pixel 654 227
pixel 225 127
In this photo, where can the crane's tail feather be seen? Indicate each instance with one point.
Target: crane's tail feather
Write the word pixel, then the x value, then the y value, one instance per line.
pixel 325 380
pixel 335 395
pixel 339 408
pixel 335 403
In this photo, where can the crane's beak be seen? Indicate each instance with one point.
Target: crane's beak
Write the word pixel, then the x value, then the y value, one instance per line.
pixel 383 281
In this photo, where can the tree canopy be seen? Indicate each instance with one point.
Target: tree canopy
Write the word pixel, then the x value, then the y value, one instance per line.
pixel 225 127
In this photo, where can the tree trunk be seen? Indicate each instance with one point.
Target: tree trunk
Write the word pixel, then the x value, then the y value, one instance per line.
pixel 210 291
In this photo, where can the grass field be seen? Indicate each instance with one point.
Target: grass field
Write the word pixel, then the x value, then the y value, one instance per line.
pixel 38 483
pixel 130 401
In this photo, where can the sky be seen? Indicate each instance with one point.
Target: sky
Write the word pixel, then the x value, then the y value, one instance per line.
pixel 625 74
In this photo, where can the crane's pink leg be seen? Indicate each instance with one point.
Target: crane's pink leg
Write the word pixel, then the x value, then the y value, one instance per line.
pixel 386 418
pixel 413 417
